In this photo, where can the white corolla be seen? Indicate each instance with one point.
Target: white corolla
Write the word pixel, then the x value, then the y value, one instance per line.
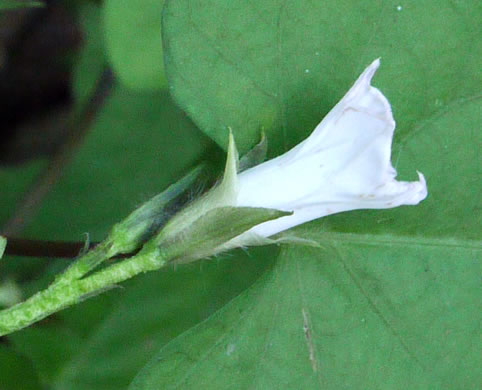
pixel 343 165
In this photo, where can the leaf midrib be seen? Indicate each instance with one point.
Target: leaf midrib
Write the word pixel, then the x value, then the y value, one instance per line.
pixel 393 240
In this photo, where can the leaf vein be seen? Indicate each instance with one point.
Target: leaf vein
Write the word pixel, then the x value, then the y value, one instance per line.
pixel 375 308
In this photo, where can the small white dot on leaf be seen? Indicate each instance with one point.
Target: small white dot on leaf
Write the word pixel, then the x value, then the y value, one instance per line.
pixel 230 349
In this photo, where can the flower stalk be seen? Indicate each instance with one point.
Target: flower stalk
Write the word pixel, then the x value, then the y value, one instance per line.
pixel 181 242
pixel 72 286
pixel 62 295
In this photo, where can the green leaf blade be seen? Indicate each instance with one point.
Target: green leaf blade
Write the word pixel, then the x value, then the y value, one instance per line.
pixel 281 66
pixel 336 318
pixel 133 42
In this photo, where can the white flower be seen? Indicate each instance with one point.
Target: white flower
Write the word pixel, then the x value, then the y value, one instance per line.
pixel 343 165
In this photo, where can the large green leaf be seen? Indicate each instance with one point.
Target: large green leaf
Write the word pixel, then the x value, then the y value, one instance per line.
pixel 390 300
pixel 352 316
pixel 282 65
pixel 133 42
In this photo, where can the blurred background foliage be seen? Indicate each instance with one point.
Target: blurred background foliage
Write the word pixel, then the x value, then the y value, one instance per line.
pixel 134 143
pixel 99 113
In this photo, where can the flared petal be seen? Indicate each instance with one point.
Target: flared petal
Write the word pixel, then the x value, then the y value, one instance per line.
pixel 343 165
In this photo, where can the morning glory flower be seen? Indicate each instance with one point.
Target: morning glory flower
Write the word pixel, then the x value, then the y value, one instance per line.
pixel 343 165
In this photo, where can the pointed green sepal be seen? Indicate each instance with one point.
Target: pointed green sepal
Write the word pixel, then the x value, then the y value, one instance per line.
pixel 229 185
pixel 255 156
pixel 208 235
pixel 222 195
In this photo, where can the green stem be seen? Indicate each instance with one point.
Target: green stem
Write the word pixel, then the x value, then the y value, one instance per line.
pixel 86 263
pixel 61 295
pixel 143 262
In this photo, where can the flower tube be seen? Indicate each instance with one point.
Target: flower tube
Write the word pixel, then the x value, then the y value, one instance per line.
pixel 343 165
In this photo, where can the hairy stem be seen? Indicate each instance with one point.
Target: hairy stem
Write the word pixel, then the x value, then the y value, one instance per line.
pixel 67 290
